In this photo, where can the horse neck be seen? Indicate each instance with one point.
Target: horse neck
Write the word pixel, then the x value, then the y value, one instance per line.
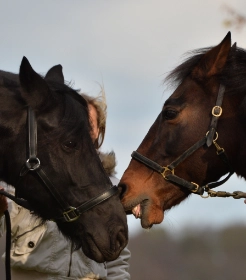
pixel 240 161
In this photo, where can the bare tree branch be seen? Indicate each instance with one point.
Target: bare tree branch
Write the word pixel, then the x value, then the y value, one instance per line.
pixel 234 18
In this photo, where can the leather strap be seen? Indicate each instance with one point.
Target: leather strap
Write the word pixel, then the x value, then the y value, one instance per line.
pixel 187 153
pixel 72 212
pixel 216 112
pixel 148 162
pixel 20 201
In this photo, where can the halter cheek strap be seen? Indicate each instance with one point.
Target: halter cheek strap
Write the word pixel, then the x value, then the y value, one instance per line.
pixel 216 113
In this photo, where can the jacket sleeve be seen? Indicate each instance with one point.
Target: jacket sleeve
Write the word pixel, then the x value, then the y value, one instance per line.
pixel 119 268
pixel 2 226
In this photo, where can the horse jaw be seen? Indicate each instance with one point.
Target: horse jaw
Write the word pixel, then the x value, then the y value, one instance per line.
pixel 150 203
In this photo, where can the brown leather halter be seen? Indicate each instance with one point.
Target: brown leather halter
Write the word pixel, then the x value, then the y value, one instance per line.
pixel 210 138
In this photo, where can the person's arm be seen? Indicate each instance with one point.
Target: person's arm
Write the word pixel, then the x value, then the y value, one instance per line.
pixel 119 268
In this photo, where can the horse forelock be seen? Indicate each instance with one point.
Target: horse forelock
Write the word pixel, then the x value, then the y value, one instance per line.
pixel 232 76
pixel 182 71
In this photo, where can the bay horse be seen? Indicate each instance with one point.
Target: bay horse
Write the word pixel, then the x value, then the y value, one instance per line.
pixel 47 154
pixel 198 137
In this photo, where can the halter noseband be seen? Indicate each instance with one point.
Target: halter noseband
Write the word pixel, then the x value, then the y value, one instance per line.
pixel 32 164
pixel 210 138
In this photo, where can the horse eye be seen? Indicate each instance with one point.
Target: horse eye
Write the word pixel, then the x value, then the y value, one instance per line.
pixel 70 145
pixel 170 114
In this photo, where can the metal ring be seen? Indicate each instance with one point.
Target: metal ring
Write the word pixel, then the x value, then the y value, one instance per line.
pixel 216 135
pixel 203 196
pixel 217 114
pixel 33 165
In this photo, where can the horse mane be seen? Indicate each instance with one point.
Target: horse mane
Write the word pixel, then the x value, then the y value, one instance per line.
pixel 9 79
pixel 233 76
pixel 178 74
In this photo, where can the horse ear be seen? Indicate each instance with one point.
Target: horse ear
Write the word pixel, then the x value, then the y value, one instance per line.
pixel 55 74
pixel 214 60
pixel 35 91
pixel 234 46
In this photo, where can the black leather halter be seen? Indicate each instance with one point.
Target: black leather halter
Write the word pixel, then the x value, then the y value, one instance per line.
pixel 33 164
pixel 210 138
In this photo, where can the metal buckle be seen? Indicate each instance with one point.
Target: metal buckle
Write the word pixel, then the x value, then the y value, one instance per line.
pixel 166 169
pixel 67 217
pixel 215 114
pixel 197 187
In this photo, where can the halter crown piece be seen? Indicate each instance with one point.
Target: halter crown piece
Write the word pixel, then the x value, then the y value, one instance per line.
pixel 210 138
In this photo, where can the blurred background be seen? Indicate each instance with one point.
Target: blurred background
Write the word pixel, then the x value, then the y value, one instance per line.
pixel 129 46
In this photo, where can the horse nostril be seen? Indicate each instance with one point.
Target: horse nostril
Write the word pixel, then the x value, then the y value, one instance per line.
pixel 121 240
pixel 122 190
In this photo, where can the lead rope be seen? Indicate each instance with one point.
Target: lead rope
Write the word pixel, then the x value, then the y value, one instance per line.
pixel 8 245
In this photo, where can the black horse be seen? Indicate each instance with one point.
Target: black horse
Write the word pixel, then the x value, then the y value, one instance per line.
pixel 47 154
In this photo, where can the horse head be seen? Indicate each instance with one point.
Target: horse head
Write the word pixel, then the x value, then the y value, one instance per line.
pixel 203 118
pixel 48 156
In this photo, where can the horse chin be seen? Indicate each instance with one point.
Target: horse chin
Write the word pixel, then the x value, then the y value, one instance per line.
pixel 92 251
pixel 148 213
pixel 152 214
pixel 96 244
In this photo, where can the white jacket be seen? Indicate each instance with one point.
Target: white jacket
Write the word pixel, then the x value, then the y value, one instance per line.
pixel 41 247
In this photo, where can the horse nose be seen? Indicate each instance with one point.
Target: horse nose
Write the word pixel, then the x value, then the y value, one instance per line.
pixel 122 190
pixel 121 239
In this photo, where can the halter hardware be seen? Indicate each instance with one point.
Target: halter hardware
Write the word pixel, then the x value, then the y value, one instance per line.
pixel 167 169
pixel 219 150
pixel 210 138
pixel 196 187
pixel 73 213
pixel 217 111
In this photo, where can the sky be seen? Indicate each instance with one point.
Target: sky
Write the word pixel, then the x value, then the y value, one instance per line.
pixel 129 46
